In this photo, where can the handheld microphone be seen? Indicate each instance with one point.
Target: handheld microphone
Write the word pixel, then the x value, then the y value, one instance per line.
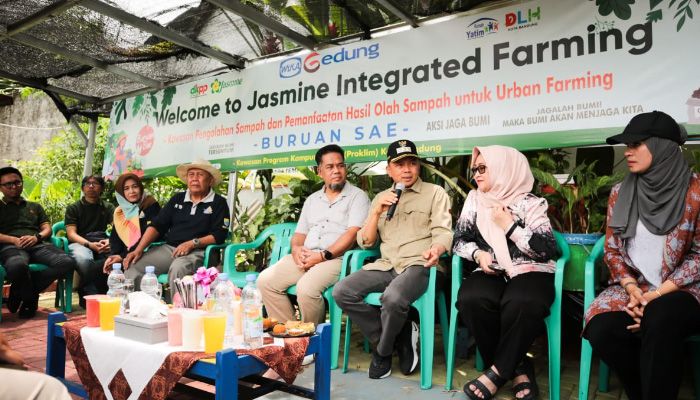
pixel 398 189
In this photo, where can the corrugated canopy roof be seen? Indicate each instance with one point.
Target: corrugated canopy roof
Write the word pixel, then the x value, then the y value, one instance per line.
pixel 98 51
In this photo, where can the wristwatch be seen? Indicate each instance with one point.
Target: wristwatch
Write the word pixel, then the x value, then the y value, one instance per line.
pixel 196 243
pixel 327 255
pixel 39 237
pixel 87 244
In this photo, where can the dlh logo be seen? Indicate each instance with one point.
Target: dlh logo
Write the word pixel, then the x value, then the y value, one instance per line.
pixel 482 27
pixel 290 67
pixel 520 19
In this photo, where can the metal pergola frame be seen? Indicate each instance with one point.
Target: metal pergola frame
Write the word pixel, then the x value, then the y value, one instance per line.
pixel 17 32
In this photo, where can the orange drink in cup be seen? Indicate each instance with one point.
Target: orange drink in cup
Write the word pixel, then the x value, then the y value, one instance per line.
pixel 109 308
pixel 214 328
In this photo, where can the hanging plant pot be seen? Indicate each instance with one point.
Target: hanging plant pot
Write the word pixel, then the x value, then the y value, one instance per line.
pixel 580 245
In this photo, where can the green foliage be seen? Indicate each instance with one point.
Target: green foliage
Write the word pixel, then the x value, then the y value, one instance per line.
pixel 622 10
pixel 52 177
pixel 579 205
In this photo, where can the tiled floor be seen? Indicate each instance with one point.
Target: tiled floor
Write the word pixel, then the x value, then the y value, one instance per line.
pixel 29 337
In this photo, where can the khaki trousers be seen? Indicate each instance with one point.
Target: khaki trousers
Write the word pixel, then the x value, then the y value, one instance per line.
pixel 27 385
pixel 274 281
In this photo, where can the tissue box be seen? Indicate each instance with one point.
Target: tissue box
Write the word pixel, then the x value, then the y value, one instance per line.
pixel 143 330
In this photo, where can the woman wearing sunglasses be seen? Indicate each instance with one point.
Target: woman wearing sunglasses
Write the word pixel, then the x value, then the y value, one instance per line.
pixel 505 231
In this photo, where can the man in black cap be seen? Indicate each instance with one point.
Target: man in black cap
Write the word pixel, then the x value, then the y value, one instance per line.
pixel 412 240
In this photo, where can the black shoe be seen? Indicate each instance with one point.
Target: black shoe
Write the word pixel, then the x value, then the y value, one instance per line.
pixel 407 348
pixel 28 309
pixel 380 367
pixel 27 312
pixel 14 303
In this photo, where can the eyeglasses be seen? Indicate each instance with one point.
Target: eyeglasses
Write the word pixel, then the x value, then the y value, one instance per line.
pixel 11 184
pixel 479 168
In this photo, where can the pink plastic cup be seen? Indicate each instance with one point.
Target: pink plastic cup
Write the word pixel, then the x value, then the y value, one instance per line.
pixel 175 327
pixel 93 309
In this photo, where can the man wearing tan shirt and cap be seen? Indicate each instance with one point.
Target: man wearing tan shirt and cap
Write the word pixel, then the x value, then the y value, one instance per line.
pixel 412 240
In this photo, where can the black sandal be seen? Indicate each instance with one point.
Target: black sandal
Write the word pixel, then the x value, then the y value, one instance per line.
pixel 486 393
pixel 526 368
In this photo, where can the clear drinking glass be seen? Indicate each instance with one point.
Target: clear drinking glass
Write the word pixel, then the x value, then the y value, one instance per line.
pixel 127 288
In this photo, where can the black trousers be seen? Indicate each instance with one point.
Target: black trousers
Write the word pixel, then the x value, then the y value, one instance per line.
pixel 381 326
pixel 25 284
pixel 505 316
pixel 648 362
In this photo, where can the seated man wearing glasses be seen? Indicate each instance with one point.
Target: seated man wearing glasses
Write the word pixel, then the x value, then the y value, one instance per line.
pixel 414 231
pixel 86 222
pixel 24 229
pixel 327 227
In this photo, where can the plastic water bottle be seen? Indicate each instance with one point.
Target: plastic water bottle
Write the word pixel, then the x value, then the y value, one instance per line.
pixel 252 314
pixel 149 283
pixel 223 294
pixel 115 281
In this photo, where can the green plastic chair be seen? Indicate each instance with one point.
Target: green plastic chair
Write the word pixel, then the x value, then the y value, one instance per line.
pixel 590 278
pixel 335 313
pixel 64 287
pixel 553 321
pixel 425 305
pixel 281 246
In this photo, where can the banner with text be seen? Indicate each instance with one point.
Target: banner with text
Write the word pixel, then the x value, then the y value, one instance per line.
pixel 532 75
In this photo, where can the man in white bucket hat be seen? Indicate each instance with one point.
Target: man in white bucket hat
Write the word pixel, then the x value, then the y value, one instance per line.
pixel 190 221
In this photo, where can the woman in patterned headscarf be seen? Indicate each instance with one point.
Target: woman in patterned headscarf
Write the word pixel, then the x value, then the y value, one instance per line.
pixel 136 210
pixel 505 230
pixel 652 247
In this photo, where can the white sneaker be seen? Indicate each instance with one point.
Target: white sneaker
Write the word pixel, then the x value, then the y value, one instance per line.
pixel 309 359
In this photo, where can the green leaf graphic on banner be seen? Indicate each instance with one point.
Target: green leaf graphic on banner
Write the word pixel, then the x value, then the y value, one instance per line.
pixel 654 3
pixel 654 16
pixel 168 94
pixel 119 109
pixel 154 100
pixel 621 8
pixel 138 101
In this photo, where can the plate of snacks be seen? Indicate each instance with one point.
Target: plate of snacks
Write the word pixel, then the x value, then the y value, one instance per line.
pixel 269 323
pixel 292 329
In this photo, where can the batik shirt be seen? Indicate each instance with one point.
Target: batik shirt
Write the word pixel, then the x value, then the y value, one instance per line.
pixel 530 239
pixel 680 263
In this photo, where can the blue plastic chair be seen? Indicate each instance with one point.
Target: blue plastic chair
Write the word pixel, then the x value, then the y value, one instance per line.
pixel 64 287
pixel 590 278
pixel 426 313
pixel 553 321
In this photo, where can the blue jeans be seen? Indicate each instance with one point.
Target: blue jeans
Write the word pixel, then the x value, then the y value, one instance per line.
pixel 89 267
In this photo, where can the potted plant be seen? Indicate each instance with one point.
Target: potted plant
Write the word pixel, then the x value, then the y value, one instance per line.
pixel 577 208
